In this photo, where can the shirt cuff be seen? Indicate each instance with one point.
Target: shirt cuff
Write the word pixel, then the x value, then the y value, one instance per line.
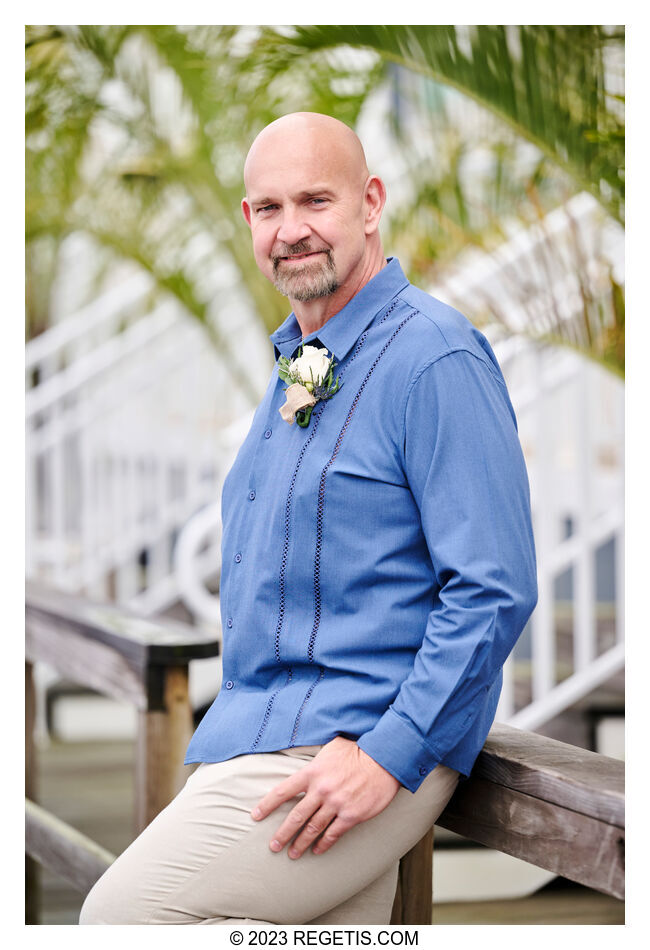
pixel 397 746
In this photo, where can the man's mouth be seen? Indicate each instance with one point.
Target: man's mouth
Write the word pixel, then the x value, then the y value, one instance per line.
pixel 301 257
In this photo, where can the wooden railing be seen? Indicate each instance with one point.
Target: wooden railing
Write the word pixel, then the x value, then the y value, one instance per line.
pixel 129 658
pixel 554 805
pixel 551 804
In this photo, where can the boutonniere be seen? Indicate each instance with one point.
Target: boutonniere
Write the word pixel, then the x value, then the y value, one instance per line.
pixel 311 380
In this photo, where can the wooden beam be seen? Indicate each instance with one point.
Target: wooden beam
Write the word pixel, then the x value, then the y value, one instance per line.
pixel 63 849
pixel 140 640
pixel 555 772
pixel 576 846
pixel 108 648
pixel 80 658
pixel 549 803
pixel 546 802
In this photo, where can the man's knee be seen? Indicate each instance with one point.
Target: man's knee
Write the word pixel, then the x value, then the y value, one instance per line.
pixel 91 909
pixel 104 904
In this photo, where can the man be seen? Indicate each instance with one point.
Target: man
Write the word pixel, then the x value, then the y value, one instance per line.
pixel 378 567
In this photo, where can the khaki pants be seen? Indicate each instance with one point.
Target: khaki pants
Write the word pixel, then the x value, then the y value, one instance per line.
pixel 203 860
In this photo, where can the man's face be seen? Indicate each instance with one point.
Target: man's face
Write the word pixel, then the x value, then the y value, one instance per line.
pixel 305 207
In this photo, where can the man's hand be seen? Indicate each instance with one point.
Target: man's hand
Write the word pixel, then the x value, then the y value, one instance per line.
pixel 343 786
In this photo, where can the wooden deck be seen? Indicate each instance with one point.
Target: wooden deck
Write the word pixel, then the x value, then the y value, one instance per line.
pixel 90 786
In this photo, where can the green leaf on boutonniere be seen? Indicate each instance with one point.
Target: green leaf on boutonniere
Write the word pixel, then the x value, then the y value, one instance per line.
pixel 283 370
pixel 303 416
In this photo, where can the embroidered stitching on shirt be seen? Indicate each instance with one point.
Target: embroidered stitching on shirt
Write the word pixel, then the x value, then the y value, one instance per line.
pixel 287 521
pixel 267 712
pixel 285 554
pixel 321 490
pixel 287 512
pixel 311 689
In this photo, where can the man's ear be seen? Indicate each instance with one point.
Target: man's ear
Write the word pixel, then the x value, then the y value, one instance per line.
pixel 246 211
pixel 375 199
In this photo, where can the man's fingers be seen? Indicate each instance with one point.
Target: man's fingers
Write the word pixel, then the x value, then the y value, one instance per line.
pixel 332 834
pixel 299 815
pixel 338 793
pixel 316 825
pixel 282 792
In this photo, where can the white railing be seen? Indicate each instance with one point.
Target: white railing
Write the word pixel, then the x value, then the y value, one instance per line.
pixel 570 414
pixel 122 443
pixel 88 327
pixel 570 417
pixel 535 270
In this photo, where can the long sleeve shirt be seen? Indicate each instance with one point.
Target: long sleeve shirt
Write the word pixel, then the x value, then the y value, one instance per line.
pixel 378 565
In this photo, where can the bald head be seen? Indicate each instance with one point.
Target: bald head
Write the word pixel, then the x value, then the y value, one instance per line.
pixel 308 135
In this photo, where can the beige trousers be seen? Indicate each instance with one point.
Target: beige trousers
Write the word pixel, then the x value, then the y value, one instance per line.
pixel 203 860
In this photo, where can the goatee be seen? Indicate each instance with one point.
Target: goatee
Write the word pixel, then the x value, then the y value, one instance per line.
pixel 314 277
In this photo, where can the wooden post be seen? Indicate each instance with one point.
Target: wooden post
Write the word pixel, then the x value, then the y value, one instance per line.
pixel 32 872
pixel 413 898
pixel 129 657
pixel 164 730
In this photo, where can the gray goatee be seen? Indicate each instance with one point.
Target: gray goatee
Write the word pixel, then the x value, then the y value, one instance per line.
pixel 316 277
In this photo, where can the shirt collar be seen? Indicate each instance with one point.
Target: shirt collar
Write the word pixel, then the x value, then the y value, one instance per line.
pixel 342 331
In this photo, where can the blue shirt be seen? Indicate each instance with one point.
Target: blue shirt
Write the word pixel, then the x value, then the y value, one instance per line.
pixel 378 565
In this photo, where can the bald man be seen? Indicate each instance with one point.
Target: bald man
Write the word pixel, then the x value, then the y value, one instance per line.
pixel 378 567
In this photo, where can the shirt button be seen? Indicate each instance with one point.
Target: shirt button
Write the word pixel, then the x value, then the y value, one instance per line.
pixel 229 621
pixel 251 495
pixel 237 558
pixel 267 434
pixel 422 770
pixel 229 684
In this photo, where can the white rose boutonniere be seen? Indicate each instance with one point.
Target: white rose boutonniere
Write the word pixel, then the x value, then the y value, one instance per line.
pixel 311 380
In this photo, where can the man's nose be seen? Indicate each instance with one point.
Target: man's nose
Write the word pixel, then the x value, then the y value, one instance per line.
pixel 293 228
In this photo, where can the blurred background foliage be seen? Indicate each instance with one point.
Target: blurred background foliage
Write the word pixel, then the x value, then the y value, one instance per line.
pixel 136 137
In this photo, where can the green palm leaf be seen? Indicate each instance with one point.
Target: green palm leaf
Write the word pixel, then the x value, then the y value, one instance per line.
pixel 172 182
pixel 557 86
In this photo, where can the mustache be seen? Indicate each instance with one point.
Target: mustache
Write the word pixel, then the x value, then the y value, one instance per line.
pixel 290 250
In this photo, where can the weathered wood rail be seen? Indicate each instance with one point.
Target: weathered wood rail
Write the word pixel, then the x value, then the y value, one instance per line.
pixel 127 657
pixel 546 802
pixel 549 803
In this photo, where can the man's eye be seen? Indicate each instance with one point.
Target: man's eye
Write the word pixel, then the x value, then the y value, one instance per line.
pixel 266 208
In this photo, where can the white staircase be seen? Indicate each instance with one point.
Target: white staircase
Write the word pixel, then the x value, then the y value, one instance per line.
pixel 125 409
pixel 570 413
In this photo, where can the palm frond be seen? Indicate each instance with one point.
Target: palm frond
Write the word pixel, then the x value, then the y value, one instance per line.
pixel 559 87
pixel 138 134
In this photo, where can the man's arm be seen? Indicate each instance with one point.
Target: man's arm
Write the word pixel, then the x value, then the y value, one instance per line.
pixel 466 471
pixel 465 468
